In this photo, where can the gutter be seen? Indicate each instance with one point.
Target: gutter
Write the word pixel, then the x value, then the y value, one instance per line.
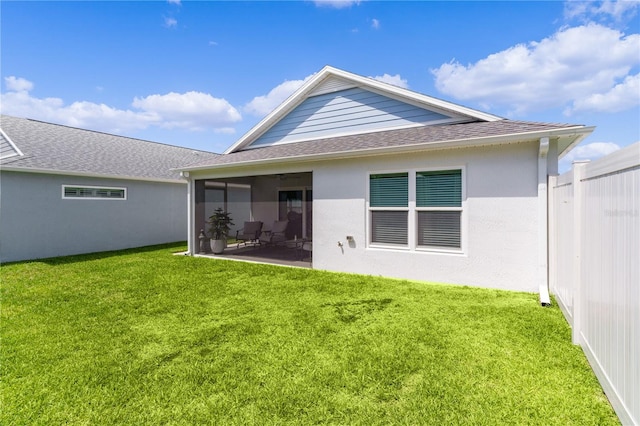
pixel 573 144
pixel 580 131
pixel 91 175
pixel 543 219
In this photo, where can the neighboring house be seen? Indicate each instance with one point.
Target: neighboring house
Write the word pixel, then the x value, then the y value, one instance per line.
pixel 68 191
pixel 390 182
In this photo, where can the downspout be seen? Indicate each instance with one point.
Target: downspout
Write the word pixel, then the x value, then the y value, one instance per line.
pixel 542 261
pixel 190 239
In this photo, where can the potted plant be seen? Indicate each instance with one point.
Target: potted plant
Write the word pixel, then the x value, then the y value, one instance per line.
pixel 219 227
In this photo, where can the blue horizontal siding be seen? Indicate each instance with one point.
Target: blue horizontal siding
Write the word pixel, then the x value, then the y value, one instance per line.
pixel 353 109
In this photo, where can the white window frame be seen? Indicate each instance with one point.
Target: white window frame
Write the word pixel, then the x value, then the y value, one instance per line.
pixel 392 209
pixel 92 187
pixel 412 212
pixel 462 209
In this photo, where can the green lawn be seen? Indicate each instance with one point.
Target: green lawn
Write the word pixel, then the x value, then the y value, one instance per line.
pixel 145 337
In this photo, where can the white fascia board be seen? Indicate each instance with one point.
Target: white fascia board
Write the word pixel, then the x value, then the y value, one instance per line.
pixel 410 95
pixel 89 175
pixel 383 88
pixel 287 105
pixel 449 144
pixel 575 142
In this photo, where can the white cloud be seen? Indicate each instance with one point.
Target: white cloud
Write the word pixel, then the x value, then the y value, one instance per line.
pixel 336 4
pixel 375 24
pixel 396 80
pixel 170 22
pixel 586 10
pixel 14 84
pixel 78 114
pixel 622 96
pixel 262 105
pixel 225 130
pixel 556 71
pixel 190 111
pixel 213 43
pixel 591 151
pixel 176 2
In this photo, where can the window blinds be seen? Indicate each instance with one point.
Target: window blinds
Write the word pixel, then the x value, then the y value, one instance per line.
pixel 439 188
pixel 389 190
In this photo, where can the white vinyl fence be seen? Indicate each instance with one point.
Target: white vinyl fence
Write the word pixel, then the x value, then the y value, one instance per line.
pixel 594 257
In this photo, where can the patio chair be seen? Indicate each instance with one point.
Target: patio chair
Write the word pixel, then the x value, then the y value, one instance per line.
pixel 307 246
pixel 276 234
pixel 250 232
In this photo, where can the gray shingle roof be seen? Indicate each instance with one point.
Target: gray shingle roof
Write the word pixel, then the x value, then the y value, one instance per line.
pixel 6 148
pixel 414 136
pixel 60 148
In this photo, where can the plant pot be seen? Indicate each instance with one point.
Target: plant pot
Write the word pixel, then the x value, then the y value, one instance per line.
pixel 218 246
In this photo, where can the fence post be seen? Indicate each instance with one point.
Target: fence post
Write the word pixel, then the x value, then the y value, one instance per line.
pixel 552 234
pixel 578 173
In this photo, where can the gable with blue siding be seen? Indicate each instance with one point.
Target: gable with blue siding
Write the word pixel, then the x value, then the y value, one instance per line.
pixel 346 111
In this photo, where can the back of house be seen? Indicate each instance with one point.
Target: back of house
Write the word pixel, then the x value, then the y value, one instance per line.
pixel 384 181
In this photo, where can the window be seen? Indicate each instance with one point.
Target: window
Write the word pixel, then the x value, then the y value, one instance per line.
pixel 389 206
pixel 93 192
pixel 439 208
pixel 416 209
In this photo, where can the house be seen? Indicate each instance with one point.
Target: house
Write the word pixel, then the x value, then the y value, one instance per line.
pixel 386 181
pixel 67 191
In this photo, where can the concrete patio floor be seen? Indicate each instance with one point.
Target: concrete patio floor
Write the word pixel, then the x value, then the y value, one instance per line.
pixel 274 255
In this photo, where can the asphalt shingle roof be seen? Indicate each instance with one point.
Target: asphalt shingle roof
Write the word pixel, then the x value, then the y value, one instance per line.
pixel 6 149
pixel 48 146
pixel 417 136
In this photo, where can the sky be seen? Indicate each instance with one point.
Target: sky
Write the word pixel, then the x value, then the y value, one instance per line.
pixel 201 74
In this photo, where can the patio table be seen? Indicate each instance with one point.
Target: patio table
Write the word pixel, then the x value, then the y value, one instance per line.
pixel 297 244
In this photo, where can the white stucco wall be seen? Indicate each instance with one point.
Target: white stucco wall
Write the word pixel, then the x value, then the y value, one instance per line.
pixel 500 219
pixel 35 222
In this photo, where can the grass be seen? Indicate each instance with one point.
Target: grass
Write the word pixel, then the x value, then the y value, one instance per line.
pixel 145 337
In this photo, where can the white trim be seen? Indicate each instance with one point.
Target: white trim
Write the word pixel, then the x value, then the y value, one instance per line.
pixel 424 146
pixel 543 241
pixel 65 197
pixel 190 216
pixel 579 138
pixel 411 95
pixel 13 145
pixel 412 213
pixel 369 210
pixel 89 175
pixel 304 91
